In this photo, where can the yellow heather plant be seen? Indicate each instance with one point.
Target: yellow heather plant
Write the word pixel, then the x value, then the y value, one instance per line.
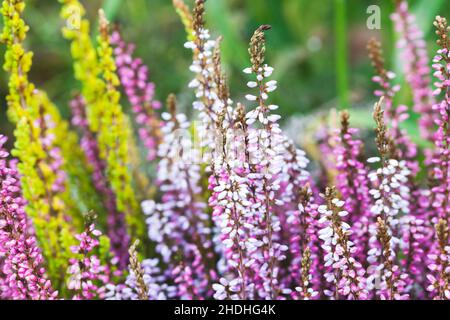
pixel 18 63
pixel 96 70
pixel 185 15
pixel 39 146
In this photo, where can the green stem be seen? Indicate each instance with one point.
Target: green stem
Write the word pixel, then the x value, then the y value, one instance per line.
pixel 341 53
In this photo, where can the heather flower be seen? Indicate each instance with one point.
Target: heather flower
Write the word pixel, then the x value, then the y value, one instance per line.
pixel 22 271
pixel 345 272
pixel 96 70
pixel 266 149
pixel 140 93
pixel 440 160
pixel 415 64
pixel 42 147
pixel 351 179
pixel 88 276
pixel 302 247
pixel 295 213
pixel 390 282
pixel 179 223
pixel 353 184
pixel 305 291
pixel 207 103
pixel 394 115
pixel 390 200
pixel 116 226
pixel 230 203
pixel 236 216
pixel 145 281
pixel 438 263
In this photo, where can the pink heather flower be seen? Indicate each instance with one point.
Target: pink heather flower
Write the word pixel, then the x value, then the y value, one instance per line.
pixel 441 158
pixel 229 200
pixel 117 231
pixel 266 149
pixel 390 202
pixel 351 179
pixel 303 254
pixel 353 184
pixel 22 272
pixel 88 276
pixel 439 263
pixel 140 93
pixel 297 212
pixel 346 274
pixel 387 282
pixel 415 64
pixel 415 244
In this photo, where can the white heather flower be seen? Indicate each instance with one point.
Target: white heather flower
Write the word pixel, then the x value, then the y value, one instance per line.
pixel 373 159
pixel 252 84
pixel 194 83
pixel 166 116
pixel 267 71
pixel 195 68
pixel 250 97
pixel 190 45
pixel 271 86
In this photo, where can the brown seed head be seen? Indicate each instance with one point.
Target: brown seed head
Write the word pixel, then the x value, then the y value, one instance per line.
pixel 257 47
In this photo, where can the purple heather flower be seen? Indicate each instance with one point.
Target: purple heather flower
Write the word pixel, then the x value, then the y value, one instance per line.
pixel 117 231
pixel 441 157
pixel 415 63
pixel 439 263
pixel 140 93
pixel 351 179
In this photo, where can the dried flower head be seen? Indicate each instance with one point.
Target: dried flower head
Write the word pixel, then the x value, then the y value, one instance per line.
pixel 199 15
pixel 136 268
pixel 442 30
pixel 257 48
pixel 385 145
pixel 171 104
pixel 376 56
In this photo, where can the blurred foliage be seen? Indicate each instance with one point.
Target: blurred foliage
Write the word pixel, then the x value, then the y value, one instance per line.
pixel 301 47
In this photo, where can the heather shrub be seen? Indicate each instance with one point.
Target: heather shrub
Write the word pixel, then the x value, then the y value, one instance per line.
pixel 218 202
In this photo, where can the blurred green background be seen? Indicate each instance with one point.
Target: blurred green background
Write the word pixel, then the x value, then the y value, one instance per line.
pixel 305 43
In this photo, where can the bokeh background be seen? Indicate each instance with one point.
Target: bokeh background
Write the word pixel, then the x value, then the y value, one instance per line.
pixel 307 40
